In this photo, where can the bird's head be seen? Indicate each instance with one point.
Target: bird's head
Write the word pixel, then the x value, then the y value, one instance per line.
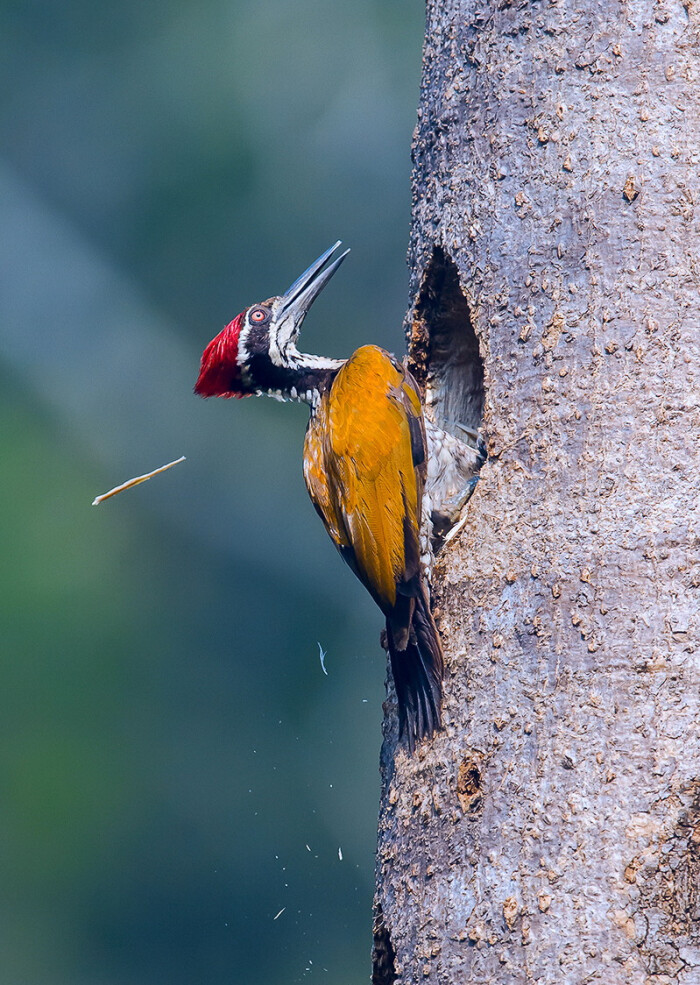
pixel 255 351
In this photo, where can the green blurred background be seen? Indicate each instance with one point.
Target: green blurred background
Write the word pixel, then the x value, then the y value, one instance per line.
pixel 175 767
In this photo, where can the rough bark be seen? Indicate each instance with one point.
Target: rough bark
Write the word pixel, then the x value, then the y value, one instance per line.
pixel 551 833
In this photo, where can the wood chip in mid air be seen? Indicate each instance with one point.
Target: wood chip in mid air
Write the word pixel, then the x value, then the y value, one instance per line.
pixel 135 481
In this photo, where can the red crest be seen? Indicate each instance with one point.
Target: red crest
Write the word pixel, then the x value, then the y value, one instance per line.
pixel 219 373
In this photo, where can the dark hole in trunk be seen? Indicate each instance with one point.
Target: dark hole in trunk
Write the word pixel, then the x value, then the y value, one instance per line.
pixel 445 355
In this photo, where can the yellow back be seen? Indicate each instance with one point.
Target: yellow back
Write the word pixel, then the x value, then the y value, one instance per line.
pixel 363 469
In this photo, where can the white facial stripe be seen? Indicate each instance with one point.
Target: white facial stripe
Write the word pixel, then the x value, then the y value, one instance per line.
pixel 275 353
pixel 307 360
pixel 283 334
pixel 243 352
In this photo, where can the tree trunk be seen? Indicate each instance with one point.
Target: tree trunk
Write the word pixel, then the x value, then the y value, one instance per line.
pixel 551 833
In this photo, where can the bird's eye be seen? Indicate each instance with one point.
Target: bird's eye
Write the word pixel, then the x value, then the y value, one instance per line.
pixel 259 315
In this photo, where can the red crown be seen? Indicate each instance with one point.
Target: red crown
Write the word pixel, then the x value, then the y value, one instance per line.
pixel 219 373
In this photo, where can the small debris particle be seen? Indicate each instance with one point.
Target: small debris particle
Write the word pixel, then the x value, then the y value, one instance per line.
pixel 340 853
pixel 322 657
pixel 630 191
pixel 280 913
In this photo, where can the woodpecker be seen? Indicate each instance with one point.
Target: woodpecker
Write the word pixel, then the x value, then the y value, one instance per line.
pixel 365 467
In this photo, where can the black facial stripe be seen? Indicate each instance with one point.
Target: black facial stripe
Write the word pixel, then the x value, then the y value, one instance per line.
pixel 267 376
pixel 257 341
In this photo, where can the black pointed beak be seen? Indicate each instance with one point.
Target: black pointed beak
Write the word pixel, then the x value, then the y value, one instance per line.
pixel 297 300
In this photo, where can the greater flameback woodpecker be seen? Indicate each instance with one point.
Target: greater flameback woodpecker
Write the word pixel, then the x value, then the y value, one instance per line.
pixel 365 465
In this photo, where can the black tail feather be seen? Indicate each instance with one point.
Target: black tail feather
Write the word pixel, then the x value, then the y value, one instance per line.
pixel 418 671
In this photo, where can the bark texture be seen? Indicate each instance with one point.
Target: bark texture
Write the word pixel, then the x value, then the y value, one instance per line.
pixel 551 833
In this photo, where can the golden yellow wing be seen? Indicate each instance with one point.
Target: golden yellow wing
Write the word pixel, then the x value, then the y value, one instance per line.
pixel 363 465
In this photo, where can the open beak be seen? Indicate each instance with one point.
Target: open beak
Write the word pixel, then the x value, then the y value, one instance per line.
pixel 297 300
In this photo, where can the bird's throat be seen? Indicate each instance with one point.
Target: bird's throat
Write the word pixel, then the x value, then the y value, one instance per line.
pixel 301 376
